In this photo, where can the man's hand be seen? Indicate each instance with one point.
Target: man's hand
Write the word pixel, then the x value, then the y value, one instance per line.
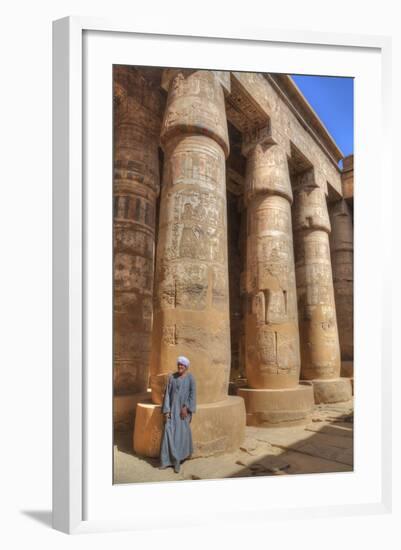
pixel 184 412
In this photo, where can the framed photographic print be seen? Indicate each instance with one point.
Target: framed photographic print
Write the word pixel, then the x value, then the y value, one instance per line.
pixel 219 324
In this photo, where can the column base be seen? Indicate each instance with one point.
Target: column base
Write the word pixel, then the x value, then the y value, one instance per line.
pixel 347 369
pixel 336 390
pixel 351 382
pixel 124 407
pixel 278 408
pixel 235 384
pixel 216 428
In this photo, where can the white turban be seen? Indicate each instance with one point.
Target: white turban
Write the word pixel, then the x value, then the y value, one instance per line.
pixel 183 360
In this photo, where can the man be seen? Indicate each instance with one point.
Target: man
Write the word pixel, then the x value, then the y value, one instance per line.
pixel 179 404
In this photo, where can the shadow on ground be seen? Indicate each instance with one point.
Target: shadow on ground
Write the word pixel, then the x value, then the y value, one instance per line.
pixel 324 445
pixel 123 442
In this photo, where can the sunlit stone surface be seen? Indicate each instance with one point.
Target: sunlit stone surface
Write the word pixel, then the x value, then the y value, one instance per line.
pixel 233 262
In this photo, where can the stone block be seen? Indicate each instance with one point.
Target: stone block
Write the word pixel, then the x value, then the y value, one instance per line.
pixel 216 428
pixel 278 408
pixel 335 390
pixel 124 407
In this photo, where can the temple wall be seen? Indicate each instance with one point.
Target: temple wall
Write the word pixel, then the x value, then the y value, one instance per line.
pixel 287 128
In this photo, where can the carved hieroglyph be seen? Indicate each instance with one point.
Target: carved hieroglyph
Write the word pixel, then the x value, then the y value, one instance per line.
pixel 320 351
pixel 191 308
pixel 271 319
pixel 137 119
pixel 342 252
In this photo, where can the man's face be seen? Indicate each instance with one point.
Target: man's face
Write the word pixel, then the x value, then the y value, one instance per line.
pixel 180 368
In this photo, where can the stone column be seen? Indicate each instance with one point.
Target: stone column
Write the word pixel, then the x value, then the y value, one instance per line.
pixel 239 378
pixel 342 252
pixel 274 396
pixel 191 309
pixel 243 295
pixel 137 120
pixel 320 349
pixel 234 273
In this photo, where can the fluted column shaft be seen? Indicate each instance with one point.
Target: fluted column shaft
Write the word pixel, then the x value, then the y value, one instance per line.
pixel 320 351
pixel 137 119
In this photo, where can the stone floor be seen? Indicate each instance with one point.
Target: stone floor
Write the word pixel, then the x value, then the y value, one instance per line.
pixel 325 444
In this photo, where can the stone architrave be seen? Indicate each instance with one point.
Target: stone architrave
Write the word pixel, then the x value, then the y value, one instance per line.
pixel 342 253
pixel 320 349
pixel 274 396
pixel 137 119
pixel 191 306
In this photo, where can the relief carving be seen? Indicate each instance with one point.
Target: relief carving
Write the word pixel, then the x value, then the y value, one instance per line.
pixel 287 353
pixel 266 345
pixel 219 287
pixel 276 311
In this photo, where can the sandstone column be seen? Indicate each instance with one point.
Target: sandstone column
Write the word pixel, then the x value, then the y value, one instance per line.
pixel 137 119
pixel 274 396
pixel 243 294
pixel 342 252
pixel 320 350
pixel 234 273
pixel 191 308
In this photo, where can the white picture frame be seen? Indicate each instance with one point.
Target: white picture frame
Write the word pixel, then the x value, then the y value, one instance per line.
pixel 84 499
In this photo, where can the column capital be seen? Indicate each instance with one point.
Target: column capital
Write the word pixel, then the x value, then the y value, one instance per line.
pixel 267 171
pixel 341 238
pixel 256 136
pixel 169 74
pixel 195 105
pixel 138 107
pixel 136 101
pixel 310 204
pixel 339 208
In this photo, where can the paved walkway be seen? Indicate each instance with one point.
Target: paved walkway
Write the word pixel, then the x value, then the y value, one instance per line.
pixel 323 445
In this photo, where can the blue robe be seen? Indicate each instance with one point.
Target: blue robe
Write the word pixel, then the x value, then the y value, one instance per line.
pixel 177 437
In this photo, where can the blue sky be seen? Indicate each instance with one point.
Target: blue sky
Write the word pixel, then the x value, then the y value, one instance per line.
pixel 333 100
